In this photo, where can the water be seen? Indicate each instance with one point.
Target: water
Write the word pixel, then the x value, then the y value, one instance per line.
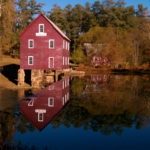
pixel 92 112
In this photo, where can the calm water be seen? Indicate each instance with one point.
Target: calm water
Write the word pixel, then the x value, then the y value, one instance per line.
pixel 92 113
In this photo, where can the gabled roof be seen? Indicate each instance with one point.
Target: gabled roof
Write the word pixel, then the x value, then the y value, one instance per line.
pixel 53 25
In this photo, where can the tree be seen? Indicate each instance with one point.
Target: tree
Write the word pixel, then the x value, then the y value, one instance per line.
pixel 7 19
pixel 57 15
pixel 26 11
pixel 78 56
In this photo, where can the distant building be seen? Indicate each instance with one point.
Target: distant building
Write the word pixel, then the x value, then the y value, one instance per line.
pixel 44 46
pixel 95 51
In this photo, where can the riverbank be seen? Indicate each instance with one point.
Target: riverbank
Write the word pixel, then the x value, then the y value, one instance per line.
pixel 93 70
pixel 6 83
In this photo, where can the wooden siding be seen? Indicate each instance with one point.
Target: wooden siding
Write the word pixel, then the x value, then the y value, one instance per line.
pixel 41 51
pixel 57 91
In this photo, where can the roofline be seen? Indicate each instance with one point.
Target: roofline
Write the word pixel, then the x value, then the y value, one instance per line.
pixel 52 23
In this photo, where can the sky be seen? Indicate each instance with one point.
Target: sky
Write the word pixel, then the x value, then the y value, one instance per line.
pixel 62 3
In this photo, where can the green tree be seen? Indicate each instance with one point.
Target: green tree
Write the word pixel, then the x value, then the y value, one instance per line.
pixel 78 56
pixel 57 15
pixel 26 11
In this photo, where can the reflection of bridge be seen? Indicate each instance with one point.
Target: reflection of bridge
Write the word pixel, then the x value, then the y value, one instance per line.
pixel 46 104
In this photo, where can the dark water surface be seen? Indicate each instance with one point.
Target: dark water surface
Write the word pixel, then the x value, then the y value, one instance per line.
pixel 95 112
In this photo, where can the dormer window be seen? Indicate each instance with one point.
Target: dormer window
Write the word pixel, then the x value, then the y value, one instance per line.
pixel 41 30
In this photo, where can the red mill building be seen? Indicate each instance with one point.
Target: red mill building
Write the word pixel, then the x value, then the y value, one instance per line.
pixel 43 46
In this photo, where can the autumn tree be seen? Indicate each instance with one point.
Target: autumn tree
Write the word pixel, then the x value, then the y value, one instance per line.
pixel 7 25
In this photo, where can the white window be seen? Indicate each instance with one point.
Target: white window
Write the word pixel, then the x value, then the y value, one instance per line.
pixel 31 102
pixel 68 60
pixel 51 62
pixel 30 60
pixel 40 117
pixel 51 87
pixel 41 113
pixel 51 43
pixel 41 28
pixel 68 46
pixel 63 60
pixel 63 84
pixel 63 44
pixel 51 101
pixel 63 101
pixel 30 43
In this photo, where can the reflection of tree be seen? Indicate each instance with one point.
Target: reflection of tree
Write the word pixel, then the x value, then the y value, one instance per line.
pixel 9 123
pixel 119 104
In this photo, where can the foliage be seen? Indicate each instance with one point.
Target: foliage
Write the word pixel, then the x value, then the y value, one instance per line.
pixel 124 28
pixel 78 56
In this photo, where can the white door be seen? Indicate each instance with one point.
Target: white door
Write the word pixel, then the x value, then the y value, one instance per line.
pixel 51 62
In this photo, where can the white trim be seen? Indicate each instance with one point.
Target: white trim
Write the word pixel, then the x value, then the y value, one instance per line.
pixel 63 101
pixel 31 102
pixel 29 46
pixel 49 62
pixel 68 46
pixel 40 117
pixel 51 101
pixel 63 84
pixel 40 112
pixel 63 44
pixel 32 60
pixel 41 25
pixel 63 61
pixel 51 40
pixel 39 32
pixel 54 25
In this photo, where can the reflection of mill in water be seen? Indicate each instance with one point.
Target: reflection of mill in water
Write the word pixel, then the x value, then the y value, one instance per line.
pixel 47 103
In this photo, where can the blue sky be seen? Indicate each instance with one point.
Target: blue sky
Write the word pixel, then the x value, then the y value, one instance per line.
pixel 49 3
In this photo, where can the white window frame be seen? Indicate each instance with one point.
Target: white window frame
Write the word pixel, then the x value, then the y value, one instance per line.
pixel 40 112
pixel 49 58
pixel 40 118
pixel 31 102
pixel 63 101
pixel 63 60
pixel 41 33
pixel 41 25
pixel 68 46
pixel 51 101
pixel 63 44
pixel 51 40
pixel 30 40
pixel 29 60
pixel 63 84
